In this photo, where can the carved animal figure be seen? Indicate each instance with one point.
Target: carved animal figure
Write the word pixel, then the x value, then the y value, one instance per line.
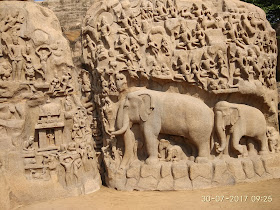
pixel 273 139
pixel 239 120
pixel 205 23
pixel 167 113
pixel 170 152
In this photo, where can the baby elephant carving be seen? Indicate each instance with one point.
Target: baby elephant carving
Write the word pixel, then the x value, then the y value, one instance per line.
pixel 170 152
pixel 238 120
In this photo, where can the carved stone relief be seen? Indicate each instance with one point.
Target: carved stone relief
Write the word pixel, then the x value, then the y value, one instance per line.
pixel 182 89
pixel 46 123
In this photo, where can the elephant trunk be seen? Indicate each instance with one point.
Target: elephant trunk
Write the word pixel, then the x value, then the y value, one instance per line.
pixel 221 131
pixel 124 127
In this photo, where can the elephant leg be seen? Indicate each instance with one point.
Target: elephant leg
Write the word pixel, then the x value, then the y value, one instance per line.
pixel 264 144
pixel 129 141
pixel 152 147
pixel 193 152
pixel 203 151
pixel 235 142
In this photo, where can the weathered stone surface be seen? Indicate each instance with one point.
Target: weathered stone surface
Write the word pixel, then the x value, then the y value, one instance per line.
pixel 131 184
pixel 148 183
pixel 183 183
pixel 162 72
pixel 258 166
pixel 133 172
pixel 165 170
pixel 166 183
pixel 46 125
pixel 179 170
pixel 236 169
pixel 248 168
pixel 201 170
pixel 150 170
pixel 221 174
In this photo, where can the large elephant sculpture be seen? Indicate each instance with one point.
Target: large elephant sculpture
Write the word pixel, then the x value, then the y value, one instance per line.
pixel 166 113
pixel 239 120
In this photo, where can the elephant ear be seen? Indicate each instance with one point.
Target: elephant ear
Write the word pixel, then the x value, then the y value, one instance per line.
pixel 234 116
pixel 146 106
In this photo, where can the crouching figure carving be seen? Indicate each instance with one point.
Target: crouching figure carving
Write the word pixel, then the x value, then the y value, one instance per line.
pixel 238 120
pixel 166 113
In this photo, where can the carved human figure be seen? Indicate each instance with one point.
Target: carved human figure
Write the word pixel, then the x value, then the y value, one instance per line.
pixel 127 25
pixel 253 63
pixel 221 64
pixel 171 8
pixel 44 53
pixel 143 72
pixel 16 53
pixel 28 144
pixel 201 76
pixel 256 23
pixel 105 30
pixel 108 112
pixel 242 35
pixel 208 64
pixel 153 45
pixel 185 38
pixel 135 48
pixel 101 53
pixel 160 11
pixel 195 10
pixel 55 85
pixel 155 71
pixel 13 21
pixel 185 69
pixel 165 46
pixel 88 42
pixel 241 65
pixel 165 71
pixel 123 44
pixel 273 139
pixel 200 35
pixel 29 71
pixel 67 163
pixel 247 25
pixel 51 138
pixel 5 71
pixel 146 9
pixel 121 82
pixel 66 85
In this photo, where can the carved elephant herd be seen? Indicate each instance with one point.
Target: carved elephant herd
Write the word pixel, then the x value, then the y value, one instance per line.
pixel 189 117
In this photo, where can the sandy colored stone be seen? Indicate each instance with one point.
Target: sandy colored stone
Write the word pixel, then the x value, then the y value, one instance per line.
pixel 166 183
pixel 248 168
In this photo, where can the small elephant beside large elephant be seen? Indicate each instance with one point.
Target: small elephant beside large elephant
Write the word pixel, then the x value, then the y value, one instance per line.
pixel 170 152
pixel 166 113
pixel 188 117
pixel 239 120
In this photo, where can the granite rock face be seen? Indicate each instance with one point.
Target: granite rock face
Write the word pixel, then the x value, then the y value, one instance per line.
pixel 46 141
pixel 189 83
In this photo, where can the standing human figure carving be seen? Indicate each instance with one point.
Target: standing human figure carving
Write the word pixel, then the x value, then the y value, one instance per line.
pixel 16 54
